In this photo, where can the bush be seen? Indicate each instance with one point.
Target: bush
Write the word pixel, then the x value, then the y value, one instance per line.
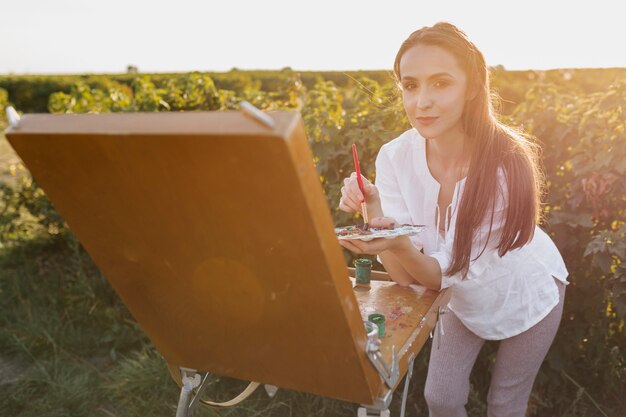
pixel 583 138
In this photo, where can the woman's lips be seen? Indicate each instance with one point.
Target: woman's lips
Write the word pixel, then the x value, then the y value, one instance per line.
pixel 425 121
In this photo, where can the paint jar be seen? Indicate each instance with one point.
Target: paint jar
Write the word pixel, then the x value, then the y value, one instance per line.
pixel 362 272
pixel 379 320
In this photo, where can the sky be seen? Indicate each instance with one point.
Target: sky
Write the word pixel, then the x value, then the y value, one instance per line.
pixel 89 36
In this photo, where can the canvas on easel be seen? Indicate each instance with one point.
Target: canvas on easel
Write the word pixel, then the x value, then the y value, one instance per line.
pixel 215 232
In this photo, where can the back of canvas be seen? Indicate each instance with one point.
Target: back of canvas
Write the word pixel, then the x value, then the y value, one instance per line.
pixel 215 232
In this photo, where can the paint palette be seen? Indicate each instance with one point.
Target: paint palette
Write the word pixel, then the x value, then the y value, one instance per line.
pixel 356 232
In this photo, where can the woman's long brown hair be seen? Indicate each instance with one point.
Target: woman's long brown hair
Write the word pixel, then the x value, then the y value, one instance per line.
pixel 491 144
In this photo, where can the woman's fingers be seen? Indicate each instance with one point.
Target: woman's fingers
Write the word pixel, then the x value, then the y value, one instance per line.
pixel 352 188
pixel 368 188
pixel 371 191
pixel 348 208
pixel 350 246
pixel 348 200
pixel 351 195
pixel 353 185
pixel 374 246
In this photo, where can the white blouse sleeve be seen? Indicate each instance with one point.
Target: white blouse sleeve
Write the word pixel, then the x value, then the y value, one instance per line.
pixel 490 253
pixel 391 199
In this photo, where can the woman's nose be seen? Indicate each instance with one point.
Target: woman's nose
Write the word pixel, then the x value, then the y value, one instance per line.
pixel 423 100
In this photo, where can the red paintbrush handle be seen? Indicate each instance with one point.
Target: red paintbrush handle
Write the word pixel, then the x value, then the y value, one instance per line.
pixel 358 170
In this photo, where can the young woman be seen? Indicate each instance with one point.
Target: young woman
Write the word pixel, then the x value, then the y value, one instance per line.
pixel 474 182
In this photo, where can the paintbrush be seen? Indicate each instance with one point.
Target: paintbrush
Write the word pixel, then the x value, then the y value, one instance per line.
pixel 361 187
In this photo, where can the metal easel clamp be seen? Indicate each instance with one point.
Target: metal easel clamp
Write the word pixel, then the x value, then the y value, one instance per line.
pixel 270 390
pixel 407 380
pixel 389 373
pixel 439 324
pixel 440 312
pixel 381 407
pixel 191 380
pixel 256 114
pixel 12 116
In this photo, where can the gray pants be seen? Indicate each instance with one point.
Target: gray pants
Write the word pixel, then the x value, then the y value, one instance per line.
pixel 517 363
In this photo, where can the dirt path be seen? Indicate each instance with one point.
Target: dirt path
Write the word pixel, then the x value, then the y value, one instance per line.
pixel 8 157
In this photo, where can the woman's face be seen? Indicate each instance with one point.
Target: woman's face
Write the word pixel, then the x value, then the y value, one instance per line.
pixel 433 86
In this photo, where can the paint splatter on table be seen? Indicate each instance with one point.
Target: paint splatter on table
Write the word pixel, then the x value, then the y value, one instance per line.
pixel 405 310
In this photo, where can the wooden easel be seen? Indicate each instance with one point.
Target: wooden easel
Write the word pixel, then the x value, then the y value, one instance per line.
pixel 214 230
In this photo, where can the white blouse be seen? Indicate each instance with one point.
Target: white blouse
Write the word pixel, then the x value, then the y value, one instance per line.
pixel 501 296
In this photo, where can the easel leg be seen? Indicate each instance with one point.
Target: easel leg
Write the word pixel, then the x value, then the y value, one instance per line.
pixel 191 380
pixel 407 380
pixel 381 407
pixel 183 402
pixel 368 412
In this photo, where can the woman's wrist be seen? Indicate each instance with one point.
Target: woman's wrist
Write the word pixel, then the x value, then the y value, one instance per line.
pixel 402 247
pixel 424 269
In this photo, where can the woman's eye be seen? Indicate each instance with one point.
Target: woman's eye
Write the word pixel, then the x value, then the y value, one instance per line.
pixel 437 84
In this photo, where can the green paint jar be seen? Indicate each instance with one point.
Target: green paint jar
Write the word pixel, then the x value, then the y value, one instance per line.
pixel 379 320
pixel 362 271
